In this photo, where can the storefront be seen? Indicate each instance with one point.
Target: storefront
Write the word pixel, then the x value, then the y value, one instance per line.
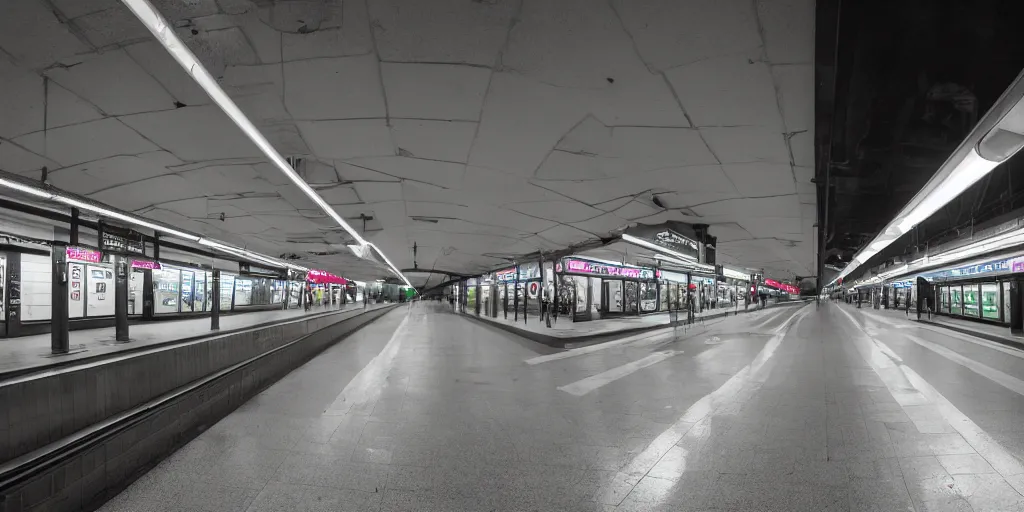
pixel 590 289
pixel 522 296
pixel 977 292
pixel 326 287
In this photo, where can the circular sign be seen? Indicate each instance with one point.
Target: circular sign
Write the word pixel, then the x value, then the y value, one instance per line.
pixel 533 289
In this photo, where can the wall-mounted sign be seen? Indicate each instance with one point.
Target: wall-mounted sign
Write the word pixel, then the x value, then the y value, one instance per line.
pixel 734 274
pixel 146 264
pixel 83 254
pixel 902 284
pixel 574 266
pixel 679 243
pixel 121 244
pixel 253 270
pixel 505 275
pixel 988 267
pixel 788 288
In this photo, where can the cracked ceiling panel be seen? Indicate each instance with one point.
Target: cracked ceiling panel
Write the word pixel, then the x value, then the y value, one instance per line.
pixel 86 142
pixel 338 88
pixel 434 140
pixel 133 91
pixel 186 132
pixel 445 92
pixel 744 144
pixel 110 172
pixel 727 91
pixel 761 179
pixel 670 33
pixel 353 138
pixel 451 31
pixel 481 130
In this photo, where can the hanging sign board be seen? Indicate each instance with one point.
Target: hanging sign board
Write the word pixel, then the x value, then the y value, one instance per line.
pixel 146 264
pixel 110 242
pixel 83 254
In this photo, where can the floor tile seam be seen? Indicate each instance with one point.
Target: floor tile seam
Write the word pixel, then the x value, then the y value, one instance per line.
pixel 936 400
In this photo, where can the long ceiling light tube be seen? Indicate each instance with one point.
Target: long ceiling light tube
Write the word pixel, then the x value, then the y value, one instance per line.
pixel 158 26
pixel 135 220
pixel 995 138
pixel 164 33
pixel 392 265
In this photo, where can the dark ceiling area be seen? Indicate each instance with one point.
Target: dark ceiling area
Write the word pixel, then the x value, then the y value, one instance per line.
pixel 899 86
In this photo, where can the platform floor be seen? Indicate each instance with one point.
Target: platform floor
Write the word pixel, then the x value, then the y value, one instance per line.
pixel 563 327
pixel 33 352
pixel 814 408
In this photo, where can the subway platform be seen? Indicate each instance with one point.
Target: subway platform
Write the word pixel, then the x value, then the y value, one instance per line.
pixel 813 408
pixel 32 353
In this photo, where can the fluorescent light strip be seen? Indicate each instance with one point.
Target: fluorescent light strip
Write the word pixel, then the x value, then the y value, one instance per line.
pixel 393 267
pixel 130 219
pixel 644 243
pixel 35 191
pixel 966 172
pixel 164 33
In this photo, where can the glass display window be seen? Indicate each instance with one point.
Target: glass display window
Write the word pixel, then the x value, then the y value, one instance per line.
pixel 630 296
pixel 188 297
pixel 648 297
pixel 663 295
pixel 36 285
pixel 615 296
pixel 166 290
pixel 77 286
pixel 276 292
pixel 1006 302
pixel 243 291
pixel 970 292
pixel 3 287
pixel 227 287
pixel 136 281
pixel 944 299
pixel 956 306
pixel 990 301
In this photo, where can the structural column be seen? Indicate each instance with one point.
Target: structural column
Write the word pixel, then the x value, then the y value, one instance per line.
pixel 59 342
pixel 120 298
pixel 215 307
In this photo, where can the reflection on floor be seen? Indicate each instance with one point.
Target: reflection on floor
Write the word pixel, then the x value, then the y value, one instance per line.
pixel 820 408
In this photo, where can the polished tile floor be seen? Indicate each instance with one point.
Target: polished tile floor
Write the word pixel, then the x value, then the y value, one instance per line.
pixel 820 408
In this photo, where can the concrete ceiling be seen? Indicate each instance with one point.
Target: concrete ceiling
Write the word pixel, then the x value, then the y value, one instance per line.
pixel 478 129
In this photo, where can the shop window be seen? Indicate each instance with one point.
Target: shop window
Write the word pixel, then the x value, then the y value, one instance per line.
pixel 971 300
pixel 3 287
pixel 166 290
pixel 581 284
pixel 664 297
pixel 648 297
pixel 188 298
pixel 944 296
pixel 990 301
pixel 615 298
pixel 1006 302
pixel 630 295
pixel 135 283
pixel 227 286
pixel 35 287
pixel 595 294
pixel 276 292
pixel 471 297
pixel 956 300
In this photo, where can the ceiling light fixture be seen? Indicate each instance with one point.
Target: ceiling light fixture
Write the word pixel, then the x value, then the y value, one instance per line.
pixel 164 33
pixel 28 189
pixel 644 243
pixel 129 219
pixel 997 137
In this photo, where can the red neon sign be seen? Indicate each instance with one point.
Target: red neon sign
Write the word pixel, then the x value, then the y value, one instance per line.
pixel 322 277
pixel 788 288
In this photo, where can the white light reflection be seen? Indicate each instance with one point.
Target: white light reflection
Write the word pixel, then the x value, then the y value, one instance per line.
pixel 696 420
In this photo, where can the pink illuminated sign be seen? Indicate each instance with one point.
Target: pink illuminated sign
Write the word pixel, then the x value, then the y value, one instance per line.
pixel 593 268
pixel 319 276
pixel 146 264
pixel 788 288
pixel 86 255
